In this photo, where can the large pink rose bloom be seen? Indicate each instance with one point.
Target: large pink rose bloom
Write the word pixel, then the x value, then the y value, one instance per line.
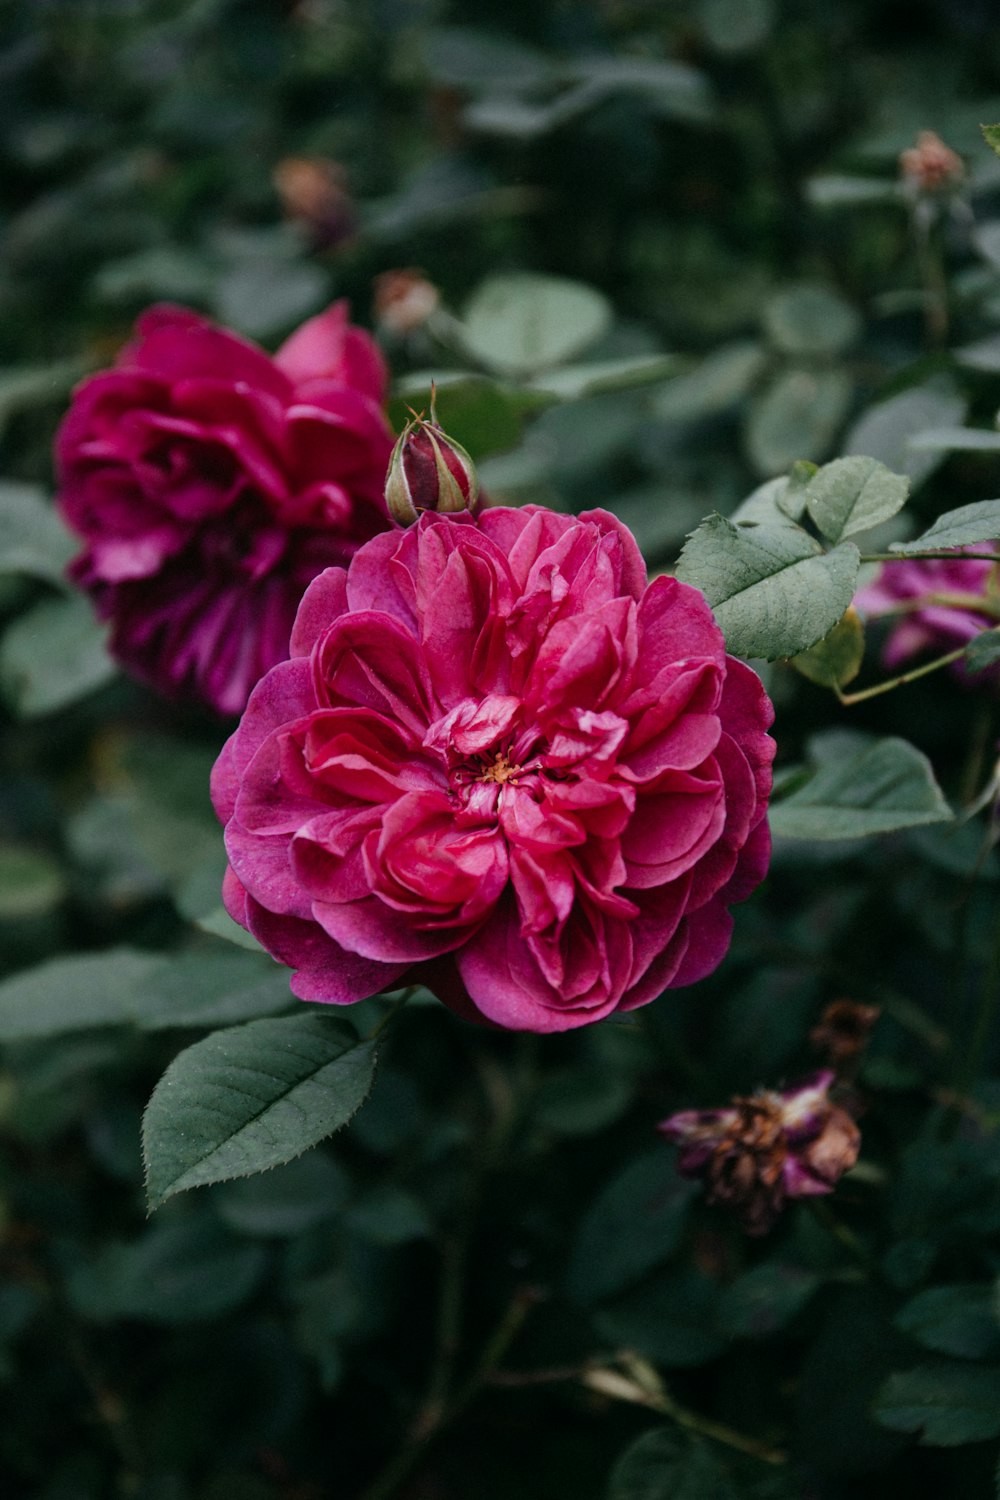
pixel 499 763
pixel 212 483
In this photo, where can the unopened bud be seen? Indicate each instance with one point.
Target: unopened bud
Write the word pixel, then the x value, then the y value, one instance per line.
pixel 313 192
pixel 429 471
pixel 404 300
pixel 929 166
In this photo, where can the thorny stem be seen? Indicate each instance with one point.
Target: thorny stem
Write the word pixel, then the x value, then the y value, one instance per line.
pixel 641 1385
pixel 848 699
pixel 395 1007
pixel 496 1346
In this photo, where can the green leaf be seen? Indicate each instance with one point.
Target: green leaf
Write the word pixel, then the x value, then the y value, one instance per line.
pixel 634 1223
pixel 53 655
pixel 211 987
pixel 484 415
pixel 774 591
pixel 959 1320
pixel 714 386
pixel 762 1301
pixel 33 540
pixel 671 1319
pixel 852 495
pixel 991 135
pixel 176 1272
pixel 572 382
pixel 668 1464
pixel 521 323
pixel 982 354
pixel 835 660
pixel 797 416
pixel 956 440
pixel 811 320
pixel 861 789
pixel 285 1201
pixel 889 430
pixel 74 994
pixel 833 190
pixel 978 522
pixel 252 1097
pixel 983 651
pixel 947 1404
pixel 32 883
pixel 25 386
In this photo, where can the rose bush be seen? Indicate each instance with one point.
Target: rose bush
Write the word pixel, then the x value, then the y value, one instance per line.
pixel 500 762
pixel 210 483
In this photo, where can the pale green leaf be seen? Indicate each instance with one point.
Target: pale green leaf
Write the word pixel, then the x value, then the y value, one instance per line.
pixel 521 323
pixel 33 540
pixel 773 590
pixel 978 522
pixel 860 789
pixel 991 135
pixel 53 655
pixel 74 993
pixel 797 416
pixel 810 320
pixel 852 495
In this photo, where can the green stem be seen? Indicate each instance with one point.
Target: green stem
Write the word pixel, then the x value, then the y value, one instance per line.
pixel 642 1387
pixel 395 1007
pixel 406 1462
pixel 849 699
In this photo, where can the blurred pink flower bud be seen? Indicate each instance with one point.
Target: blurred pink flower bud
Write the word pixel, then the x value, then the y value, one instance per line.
pixel 404 300
pixel 929 166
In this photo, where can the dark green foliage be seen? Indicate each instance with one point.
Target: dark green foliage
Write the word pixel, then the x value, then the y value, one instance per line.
pixel 681 279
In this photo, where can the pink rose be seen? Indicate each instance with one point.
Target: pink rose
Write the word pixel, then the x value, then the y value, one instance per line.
pixel 212 483
pixel 499 763
pixel 933 602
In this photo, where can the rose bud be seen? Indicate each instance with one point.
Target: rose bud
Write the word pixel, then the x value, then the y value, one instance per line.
pixel 404 300
pixel 428 470
pixel 767 1148
pixel 930 166
pixel 842 1031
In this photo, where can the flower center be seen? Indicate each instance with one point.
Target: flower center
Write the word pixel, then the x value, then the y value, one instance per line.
pixel 501 770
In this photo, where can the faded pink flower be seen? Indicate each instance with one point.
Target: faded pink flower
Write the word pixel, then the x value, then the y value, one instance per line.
pixel 211 483
pixel 933 602
pixel 766 1148
pixel 499 763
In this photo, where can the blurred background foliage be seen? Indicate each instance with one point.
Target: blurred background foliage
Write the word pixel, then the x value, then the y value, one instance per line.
pixel 498 1237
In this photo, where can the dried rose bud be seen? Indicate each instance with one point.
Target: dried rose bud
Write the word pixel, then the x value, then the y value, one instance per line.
pixel 313 191
pixel 428 470
pixel 842 1031
pixel 766 1148
pixel 404 300
pixel 930 165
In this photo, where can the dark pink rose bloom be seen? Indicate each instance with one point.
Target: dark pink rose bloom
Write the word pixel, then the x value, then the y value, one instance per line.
pixel 499 763
pixel 767 1148
pixel 212 483
pixel 939 611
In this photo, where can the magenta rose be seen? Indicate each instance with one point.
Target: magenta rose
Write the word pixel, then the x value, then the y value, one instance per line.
pixel 500 764
pixel 212 483
pixel 934 603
